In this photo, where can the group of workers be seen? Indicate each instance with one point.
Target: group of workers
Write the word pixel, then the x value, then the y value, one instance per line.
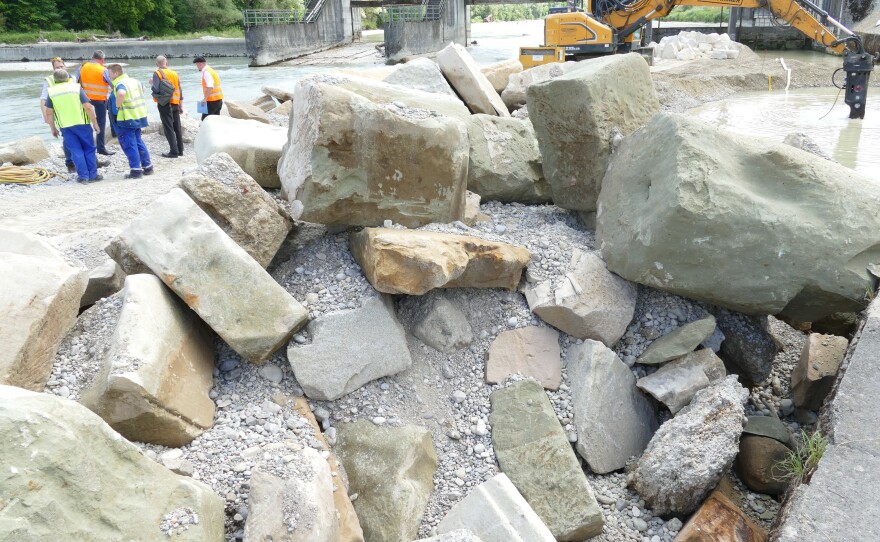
pixel 76 107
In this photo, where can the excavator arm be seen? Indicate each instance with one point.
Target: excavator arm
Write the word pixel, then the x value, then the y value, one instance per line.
pixel 612 23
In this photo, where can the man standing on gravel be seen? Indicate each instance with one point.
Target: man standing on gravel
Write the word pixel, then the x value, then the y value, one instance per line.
pixel 49 81
pixel 68 107
pixel 95 81
pixel 129 106
pixel 171 109
pixel 210 87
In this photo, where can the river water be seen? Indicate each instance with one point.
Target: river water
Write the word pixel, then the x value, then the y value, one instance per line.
pixel 768 114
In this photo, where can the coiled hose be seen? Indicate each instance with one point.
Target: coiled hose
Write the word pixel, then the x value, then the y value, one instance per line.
pixel 24 175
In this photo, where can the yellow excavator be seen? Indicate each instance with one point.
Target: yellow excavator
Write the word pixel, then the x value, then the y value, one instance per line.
pixel 608 26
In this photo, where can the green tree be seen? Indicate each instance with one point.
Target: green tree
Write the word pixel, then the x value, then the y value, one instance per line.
pixel 25 15
pixel 215 14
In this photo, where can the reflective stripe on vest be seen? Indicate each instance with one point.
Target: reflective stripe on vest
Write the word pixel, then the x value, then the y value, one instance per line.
pixel 170 75
pixel 91 77
pixel 66 105
pixel 135 106
pixel 216 92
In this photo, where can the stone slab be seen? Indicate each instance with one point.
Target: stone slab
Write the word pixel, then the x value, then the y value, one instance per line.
pixel 530 351
pixel 254 146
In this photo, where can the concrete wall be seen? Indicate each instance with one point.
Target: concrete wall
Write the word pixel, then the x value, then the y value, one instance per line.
pixel 403 39
pixel 226 47
pixel 270 44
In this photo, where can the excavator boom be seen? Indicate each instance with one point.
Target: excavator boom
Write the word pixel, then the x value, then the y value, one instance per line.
pixel 608 27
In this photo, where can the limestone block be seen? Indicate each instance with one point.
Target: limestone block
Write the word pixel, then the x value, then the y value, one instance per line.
pixel 439 323
pixel 214 276
pixel 86 248
pixel 39 299
pixel 576 117
pixel 253 145
pixel 816 370
pixel 353 162
pixel 242 209
pixel 296 509
pixel 24 151
pixel 74 478
pixel 505 162
pixel 499 73
pixel 514 94
pixel 614 420
pixel 349 349
pixel 465 77
pixel 758 464
pixel 414 262
pixel 496 512
pixel 420 74
pixel 245 111
pixel 530 351
pixel 265 103
pixel 279 93
pixel 590 302
pixel 154 381
pixel 533 451
pixel 720 519
pixel 690 452
pixel 679 342
pixel 753 212
pixel 676 382
pixel 349 526
pixel 284 109
pixel 391 470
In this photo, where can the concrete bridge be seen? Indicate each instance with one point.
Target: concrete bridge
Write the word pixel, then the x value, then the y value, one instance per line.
pixel 413 29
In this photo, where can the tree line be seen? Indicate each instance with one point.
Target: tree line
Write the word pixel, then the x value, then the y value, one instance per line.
pixel 131 17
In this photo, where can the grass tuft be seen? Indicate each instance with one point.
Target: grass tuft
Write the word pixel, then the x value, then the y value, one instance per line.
pixel 803 460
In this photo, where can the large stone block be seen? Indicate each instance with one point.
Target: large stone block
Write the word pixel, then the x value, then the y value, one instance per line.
pixel 614 420
pixel 514 94
pixel 469 82
pixel 420 74
pixel 349 349
pixel 499 73
pixel 391 469
pixel 530 351
pixel 589 303
pixel 24 151
pixel 414 262
pixel 534 452
pixel 154 381
pixel 296 509
pixel 69 476
pixel 246 111
pixel 690 452
pixel 496 512
pixel 253 145
pixel 748 224
pixel 39 300
pixel 505 162
pixel 353 162
pixel 224 285
pixel 577 115
pixel 816 370
pixel 242 209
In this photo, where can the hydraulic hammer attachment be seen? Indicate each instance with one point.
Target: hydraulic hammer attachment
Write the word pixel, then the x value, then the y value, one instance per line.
pixel 857 65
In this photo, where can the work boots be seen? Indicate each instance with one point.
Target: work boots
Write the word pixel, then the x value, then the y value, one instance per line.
pixel 135 174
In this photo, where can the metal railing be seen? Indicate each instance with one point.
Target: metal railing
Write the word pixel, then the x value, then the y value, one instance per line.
pixel 260 17
pixel 428 10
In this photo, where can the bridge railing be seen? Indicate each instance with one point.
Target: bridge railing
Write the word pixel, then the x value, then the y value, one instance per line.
pixel 260 17
pixel 427 11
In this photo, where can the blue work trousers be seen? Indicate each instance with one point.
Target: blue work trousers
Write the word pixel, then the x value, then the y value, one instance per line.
pixel 78 139
pixel 133 147
pixel 67 156
pixel 101 114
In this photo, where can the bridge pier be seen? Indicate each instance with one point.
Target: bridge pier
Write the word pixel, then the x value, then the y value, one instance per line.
pixel 413 31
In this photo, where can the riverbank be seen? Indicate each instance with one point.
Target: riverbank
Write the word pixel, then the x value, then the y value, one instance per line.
pixel 126 49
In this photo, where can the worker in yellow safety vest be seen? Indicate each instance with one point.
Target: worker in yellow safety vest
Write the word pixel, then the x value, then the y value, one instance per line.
pixel 49 81
pixel 128 105
pixel 96 83
pixel 68 110
pixel 211 88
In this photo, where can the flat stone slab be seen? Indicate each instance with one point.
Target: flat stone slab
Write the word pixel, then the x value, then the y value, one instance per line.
pixel 530 351
pixel 816 370
pixel 221 282
pixel 534 452
pixel 462 72
pixel 154 381
pixel 496 512
pixel 350 348
pixel 675 383
pixel 678 342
